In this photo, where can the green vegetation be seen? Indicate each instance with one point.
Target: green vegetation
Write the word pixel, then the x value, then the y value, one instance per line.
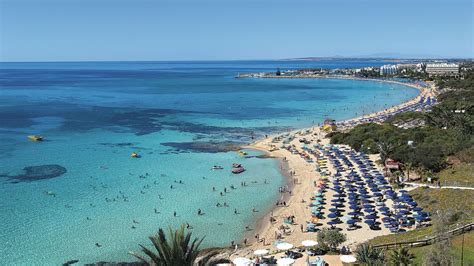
pixel 456 250
pixel 429 149
pixel 330 238
pixel 174 249
pixel 401 257
pixel 367 255
pixel 462 175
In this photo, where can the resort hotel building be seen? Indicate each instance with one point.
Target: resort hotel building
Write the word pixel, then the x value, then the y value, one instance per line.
pixel 442 69
pixel 388 70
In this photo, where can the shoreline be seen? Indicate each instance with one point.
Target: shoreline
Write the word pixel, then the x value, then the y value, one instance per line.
pixel 263 224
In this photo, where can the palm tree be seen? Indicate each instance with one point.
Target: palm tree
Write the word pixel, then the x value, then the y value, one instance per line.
pixel 408 167
pixel 367 255
pixel 176 249
pixel 401 257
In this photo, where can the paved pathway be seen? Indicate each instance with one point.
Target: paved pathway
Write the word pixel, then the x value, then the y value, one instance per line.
pixel 415 185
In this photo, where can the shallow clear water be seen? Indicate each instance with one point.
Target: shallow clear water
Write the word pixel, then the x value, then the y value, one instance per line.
pixel 94 115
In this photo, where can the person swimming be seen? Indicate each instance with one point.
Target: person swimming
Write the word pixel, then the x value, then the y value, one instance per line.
pixel 98 245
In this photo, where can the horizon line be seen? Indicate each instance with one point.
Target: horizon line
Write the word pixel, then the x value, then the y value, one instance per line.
pixel 309 58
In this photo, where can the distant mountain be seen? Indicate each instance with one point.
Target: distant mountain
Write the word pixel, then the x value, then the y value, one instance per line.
pixel 376 57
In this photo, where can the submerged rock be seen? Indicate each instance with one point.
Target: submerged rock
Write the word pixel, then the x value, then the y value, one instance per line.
pixel 39 172
pixel 205 146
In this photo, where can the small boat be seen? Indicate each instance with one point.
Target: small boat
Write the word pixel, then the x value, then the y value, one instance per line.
pixel 135 155
pixel 242 153
pixel 35 138
pixel 236 165
pixel 217 167
pixel 238 170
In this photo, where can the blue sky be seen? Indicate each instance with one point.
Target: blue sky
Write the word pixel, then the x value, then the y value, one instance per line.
pixel 70 30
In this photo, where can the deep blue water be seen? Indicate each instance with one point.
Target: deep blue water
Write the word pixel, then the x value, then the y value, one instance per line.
pixel 80 186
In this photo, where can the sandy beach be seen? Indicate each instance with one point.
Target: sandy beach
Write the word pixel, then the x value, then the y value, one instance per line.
pixel 302 177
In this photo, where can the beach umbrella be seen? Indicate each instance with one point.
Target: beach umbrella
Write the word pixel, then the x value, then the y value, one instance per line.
pixel 309 243
pixel 311 225
pixel 332 222
pixel 334 210
pixel 351 221
pixel 370 216
pixel 354 213
pixel 241 261
pixel 384 208
pixel 285 261
pixel 418 217
pixel 369 222
pixel 348 259
pixel 418 209
pixel 368 206
pixel 261 252
pixel 284 246
pixel 403 211
pixel 332 215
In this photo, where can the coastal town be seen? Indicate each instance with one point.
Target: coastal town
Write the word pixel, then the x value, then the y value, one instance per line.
pixel 404 70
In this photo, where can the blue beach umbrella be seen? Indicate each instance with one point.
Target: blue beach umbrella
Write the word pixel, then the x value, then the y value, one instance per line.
pixel 369 222
pixel 418 209
pixel 351 221
pixel 332 215
pixel 355 213
pixel 370 216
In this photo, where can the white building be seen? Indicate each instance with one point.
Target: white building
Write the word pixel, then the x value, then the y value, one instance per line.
pixel 442 69
pixel 388 70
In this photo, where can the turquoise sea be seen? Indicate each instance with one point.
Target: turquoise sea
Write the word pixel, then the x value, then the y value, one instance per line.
pixel 80 186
